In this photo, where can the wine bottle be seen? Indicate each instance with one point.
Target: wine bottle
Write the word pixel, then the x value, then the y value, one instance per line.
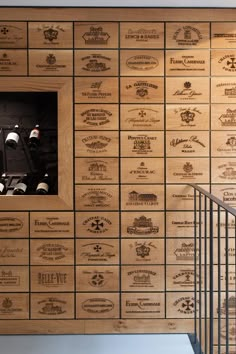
pixel 3 183
pixel 43 185
pixel 21 185
pixel 13 137
pixel 34 138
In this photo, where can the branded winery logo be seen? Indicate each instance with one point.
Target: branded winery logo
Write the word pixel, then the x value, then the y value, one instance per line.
pixel 51 33
pixel 9 224
pixel 97 198
pixel 228 62
pixel 229 146
pixel 188 172
pixel 52 306
pixel 8 307
pixel 142 226
pixel 142 88
pixel 228 333
pixel 52 278
pixel 142 143
pixel 136 198
pixel 143 250
pixel 52 251
pixel 184 278
pixel 229 197
pixel 228 307
pixel 185 305
pixel 142 172
pixel 230 276
pixel 228 119
pixel 97 224
pixel 142 117
pixel 96 91
pixel 187 92
pixel 186 252
pixel 6 63
pixel 182 197
pixel 96 36
pixel 227 171
pixel 10 252
pixel 96 143
pixel 142 305
pixel 229 89
pixel 51 64
pixel 51 224
pixel 141 278
pixel 98 305
pixel 98 251
pixel 187 144
pixel 96 63
pixel 97 171
pixel 187 36
pixel 7 278
pixel 96 117
pixel 10 34
pixel 142 62
pixel 187 115
pixel 142 35
pixel 187 63
pixel 184 224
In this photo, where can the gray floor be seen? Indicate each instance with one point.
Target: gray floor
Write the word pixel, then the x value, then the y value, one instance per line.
pixel 97 344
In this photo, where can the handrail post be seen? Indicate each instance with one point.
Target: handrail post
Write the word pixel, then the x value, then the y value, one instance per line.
pixel 211 275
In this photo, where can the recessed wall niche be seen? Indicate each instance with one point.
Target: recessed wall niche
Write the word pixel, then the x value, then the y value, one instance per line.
pixel 27 110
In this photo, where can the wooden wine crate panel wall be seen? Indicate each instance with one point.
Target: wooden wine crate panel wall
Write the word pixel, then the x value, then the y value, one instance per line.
pixel 153 97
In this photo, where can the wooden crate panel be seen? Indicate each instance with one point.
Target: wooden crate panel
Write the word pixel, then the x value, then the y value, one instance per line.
pixel 96 35
pixel 142 90
pixel 14 252
pixel 142 197
pixel 99 197
pixel 180 251
pixel 183 170
pixel 14 278
pixel 52 279
pixel 142 251
pixel 180 305
pixel 223 143
pixel 13 34
pixel 142 62
pixel 94 117
pixel 187 62
pixel 142 278
pixel 96 143
pixel 223 35
pixel 50 35
pixel 142 170
pixel 96 90
pixel 143 305
pixel 223 170
pixel 230 251
pixel 148 144
pixel 142 117
pixel 223 117
pixel 96 63
pixel 187 90
pixel 52 224
pixel 142 224
pixel 223 90
pixel 97 224
pixel 14 306
pixel 180 224
pixel 14 225
pixel 187 144
pixel 13 62
pixel 97 306
pixel 142 35
pixel 52 306
pixel 187 35
pixel 187 117
pixel 223 62
pixel 52 252
pixel 96 170
pixel 97 279
pixel 49 62
pixel 102 251
pixel 222 277
pixel 180 278
pixel 179 197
